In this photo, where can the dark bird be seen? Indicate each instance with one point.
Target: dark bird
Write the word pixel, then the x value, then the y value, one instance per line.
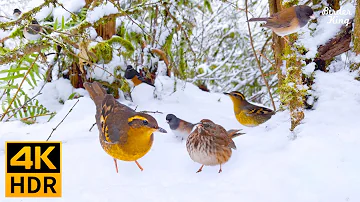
pixel 32 31
pixel 135 77
pixel 287 21
pixel 17 13
pixel 182 129
pixel 124 134
pixel 246 113
pixel 209 144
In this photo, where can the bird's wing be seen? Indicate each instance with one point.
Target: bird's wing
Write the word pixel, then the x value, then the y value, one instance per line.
pixel 252 110
pixel 281 19
pixel 114 121
pixel 223 138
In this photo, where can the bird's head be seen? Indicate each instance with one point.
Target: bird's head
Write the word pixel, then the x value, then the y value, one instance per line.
pixel 236 97
pixel 173 121
pixel 144 123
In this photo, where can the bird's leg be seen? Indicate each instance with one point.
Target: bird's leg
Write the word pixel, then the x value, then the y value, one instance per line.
pixel 200 169
pixel 220 169
pixel 285 38
pixel 116 166
pixel 139 166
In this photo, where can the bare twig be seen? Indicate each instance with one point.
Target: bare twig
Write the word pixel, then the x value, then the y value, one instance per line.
pixel 262 55
pixel 62 120
pixel 18 90
pixel 60 4
pixel 92 127
pixel 148 112
pixel 256 57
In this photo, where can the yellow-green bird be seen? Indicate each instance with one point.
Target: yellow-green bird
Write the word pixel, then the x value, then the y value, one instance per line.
pixel 246 113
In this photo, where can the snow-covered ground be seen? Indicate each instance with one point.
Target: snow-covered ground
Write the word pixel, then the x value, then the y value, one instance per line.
pixel 321 165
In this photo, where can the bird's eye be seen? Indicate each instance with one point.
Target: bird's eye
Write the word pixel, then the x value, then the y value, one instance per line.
pixel 145 122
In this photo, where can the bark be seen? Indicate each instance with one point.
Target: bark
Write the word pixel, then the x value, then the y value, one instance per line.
pixel 334 4
pixel 335 46
pixel 292 86
pixel 356 37
pixel 278 43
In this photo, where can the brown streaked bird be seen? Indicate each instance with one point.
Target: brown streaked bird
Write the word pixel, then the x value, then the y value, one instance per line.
pixel 32 31
pixel 182 128
pixel 135 77
pixel 124 134
pixel 209 144
pixel 288 20
pixel 246 113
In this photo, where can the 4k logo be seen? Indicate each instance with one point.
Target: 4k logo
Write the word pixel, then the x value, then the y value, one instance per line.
pixel 33 169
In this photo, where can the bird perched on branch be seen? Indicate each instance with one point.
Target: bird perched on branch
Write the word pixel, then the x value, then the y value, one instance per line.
pixel 135 77
pixel 32 31
pixel 288 20
pixel 182 129
pixel 124 134
pixel 16 13
pixel 246 113
pixel 209 144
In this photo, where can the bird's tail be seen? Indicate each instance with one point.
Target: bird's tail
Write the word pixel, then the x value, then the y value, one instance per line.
pixel 234 133
pixel 257 19
pixel 96 91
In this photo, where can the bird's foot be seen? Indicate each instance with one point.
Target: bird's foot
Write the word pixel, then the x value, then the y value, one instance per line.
pixel 141 168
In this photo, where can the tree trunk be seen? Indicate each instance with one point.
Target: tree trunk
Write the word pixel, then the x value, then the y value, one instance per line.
pixel 356 34
pixel 278 44
pixel 292 86
pixel 334 4
pixel 106 30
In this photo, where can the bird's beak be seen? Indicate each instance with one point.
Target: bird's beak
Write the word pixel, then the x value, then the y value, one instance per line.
pixel 313 16
pixel 161 130
pixel 167 121
pixel 226 93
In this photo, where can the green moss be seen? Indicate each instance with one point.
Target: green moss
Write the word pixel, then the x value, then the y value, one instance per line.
pixel 17 32
pixel 200 71
pixel 124 43
pixel 212 67
pixel 103 51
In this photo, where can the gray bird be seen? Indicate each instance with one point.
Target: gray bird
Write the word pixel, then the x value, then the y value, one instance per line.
pixel 17 13
pixel 32 31
pixel 182 129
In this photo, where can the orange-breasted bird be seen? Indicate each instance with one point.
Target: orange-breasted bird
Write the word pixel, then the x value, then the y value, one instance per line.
pixel 182 128
pixel 124 134
pixel 246 113
pixel 288 20
pixel 135 77
pixel 209 144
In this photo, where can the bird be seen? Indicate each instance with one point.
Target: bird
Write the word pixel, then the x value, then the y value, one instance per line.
pixel 246 113
pixel 209 144
pixel 17 13
pixel 135 77
pixel 124 134
pixel 288 20
pixel 32 31
pixel 182 128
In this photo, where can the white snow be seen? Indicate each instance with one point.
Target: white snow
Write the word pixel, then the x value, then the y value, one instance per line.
pixel 309 68
pixel 327 27
pixel 321 164
pixel 101 11
pixel 70 5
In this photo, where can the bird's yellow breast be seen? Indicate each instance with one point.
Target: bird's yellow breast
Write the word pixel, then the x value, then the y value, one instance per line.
pixel 139 142
pixel 246 120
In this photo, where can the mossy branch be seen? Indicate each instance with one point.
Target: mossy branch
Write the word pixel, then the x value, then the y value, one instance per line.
pixel 19 53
